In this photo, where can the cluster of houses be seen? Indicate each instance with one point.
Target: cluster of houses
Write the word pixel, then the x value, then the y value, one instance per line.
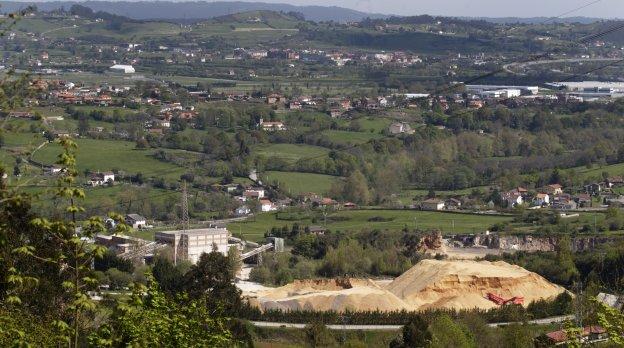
pixel 554 196
pixel 256 196
pixel 338 58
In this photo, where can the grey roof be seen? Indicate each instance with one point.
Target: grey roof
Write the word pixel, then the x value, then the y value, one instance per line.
pixel 135 217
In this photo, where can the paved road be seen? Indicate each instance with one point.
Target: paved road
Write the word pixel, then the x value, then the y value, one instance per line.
pixel 545 321
pixel 331 327
pixel 508 67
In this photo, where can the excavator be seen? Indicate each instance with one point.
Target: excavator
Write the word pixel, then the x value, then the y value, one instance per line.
pixel 517 300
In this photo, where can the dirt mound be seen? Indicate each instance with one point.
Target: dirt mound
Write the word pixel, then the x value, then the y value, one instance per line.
pixel 465 284
pixel 330 294
pixel 430 284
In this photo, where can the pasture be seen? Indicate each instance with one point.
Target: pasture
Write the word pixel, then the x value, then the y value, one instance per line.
pixel 289 152
pixel 392 220
pixel 103 155
pixel 295 183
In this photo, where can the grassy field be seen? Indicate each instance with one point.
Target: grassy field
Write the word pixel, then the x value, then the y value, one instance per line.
pixel 296 183
pixel 346 137
pixel 112 155
pixel 596 172
pixel 290 152
pixel 375 124
pixel 359 219
pixel 407 196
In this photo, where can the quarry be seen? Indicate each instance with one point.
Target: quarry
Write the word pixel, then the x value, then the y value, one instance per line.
pixel 430 284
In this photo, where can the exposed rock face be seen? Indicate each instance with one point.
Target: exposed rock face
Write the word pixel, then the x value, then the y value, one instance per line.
pixel 532 243
pixel 431 284
pixel 431 242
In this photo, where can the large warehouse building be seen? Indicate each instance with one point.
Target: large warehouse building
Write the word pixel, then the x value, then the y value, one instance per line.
pixel 190 244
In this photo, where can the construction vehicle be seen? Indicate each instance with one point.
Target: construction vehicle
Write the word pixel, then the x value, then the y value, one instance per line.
pixel 517 300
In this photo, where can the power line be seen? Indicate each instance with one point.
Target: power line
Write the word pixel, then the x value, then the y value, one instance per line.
pixel 592 70
pixel 492 73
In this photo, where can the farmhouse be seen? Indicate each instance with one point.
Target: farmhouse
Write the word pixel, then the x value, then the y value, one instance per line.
pixel 512 198
pixel 254 193
pixel 266 205
pixel 432 204
pixel 554 189
pixel 589 335
pixel 124 69
pixel 274 99
pixel 272 126
pixel 541 199
pixel 400 128
pixel 136 221
pixel 99 179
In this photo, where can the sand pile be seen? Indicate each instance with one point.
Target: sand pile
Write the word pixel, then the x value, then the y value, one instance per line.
pixel 429 284
pixel 465 284
pixel 330 294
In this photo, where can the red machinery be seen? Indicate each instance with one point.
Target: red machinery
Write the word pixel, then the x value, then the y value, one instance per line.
pixel 518 300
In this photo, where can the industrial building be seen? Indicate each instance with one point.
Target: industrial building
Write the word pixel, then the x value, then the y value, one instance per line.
pixel 591 89
pixel 190 244
pixel 524 90
pixel 121 68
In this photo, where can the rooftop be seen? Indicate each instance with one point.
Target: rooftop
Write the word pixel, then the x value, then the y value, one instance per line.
pixel 200 231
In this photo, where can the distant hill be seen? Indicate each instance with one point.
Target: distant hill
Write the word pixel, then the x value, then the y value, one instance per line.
pixel 192 10
pixel 536 20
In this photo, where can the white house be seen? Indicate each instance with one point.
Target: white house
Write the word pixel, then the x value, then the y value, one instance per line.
pixel 400 128
pixel 272 126
pixel 124 69
pixel 254 193
pixel 432 204
pixel 541 199
pixel 99 179
pixel 266 205
pixel 136 221
pixel 242 211
pixel 512 198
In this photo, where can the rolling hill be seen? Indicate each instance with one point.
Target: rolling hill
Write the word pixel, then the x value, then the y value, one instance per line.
pixel 195 10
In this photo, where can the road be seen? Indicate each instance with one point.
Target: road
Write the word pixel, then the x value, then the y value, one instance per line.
pixel 545 321
pixel 508 67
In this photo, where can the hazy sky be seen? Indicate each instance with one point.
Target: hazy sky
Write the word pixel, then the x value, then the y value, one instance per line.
pixel 478 8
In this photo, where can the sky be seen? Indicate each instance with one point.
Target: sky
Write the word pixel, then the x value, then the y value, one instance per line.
pixel 478 8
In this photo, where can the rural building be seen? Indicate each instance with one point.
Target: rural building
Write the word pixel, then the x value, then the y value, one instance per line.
pixel 254 193
pixel 512 198
pixel 589 335
pixel 554 189
pixel 191 244
pixel 266 205
pixel 318 230
pixel 452 203
pixel 242 211
pixel 541 199
pixel 136 221
pixel 99 179
pixel 272 126
pixel 400 128
pixel 124 69
pixel 432 204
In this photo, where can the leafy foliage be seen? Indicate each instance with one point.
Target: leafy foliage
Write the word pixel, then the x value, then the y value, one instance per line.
pixel 152 319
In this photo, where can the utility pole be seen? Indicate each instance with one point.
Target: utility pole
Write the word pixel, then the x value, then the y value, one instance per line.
pixel 177 239
pixel 185 214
